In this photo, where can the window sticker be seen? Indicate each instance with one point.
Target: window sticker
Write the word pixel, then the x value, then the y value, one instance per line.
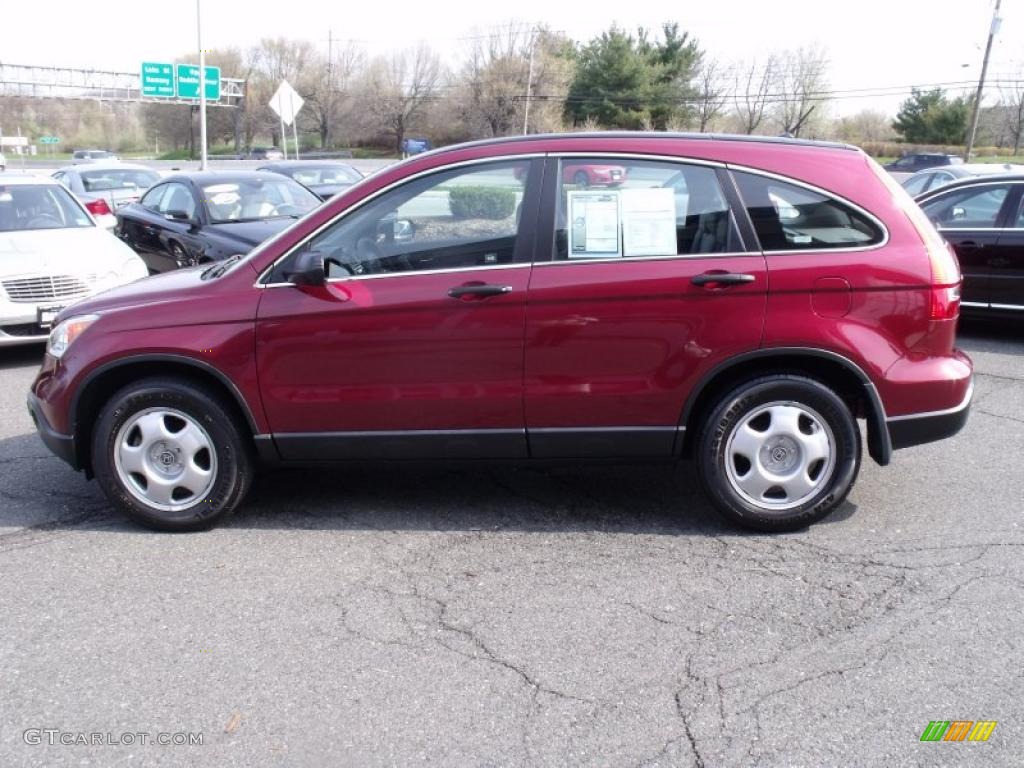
pixel 648 222
pixel 594 225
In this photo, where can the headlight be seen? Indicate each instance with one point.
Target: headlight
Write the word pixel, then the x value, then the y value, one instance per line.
pixel 64 335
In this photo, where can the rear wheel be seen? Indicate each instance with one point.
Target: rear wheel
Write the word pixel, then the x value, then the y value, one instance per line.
pixel 170 455
pixel 779 453
pixel 181 256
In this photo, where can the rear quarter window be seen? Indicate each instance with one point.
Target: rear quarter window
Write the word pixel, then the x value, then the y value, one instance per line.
pixel 790 217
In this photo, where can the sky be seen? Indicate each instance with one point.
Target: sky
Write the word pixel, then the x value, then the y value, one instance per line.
pixel 871 45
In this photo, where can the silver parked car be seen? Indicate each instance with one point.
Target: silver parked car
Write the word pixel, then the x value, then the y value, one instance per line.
pixel 105 187
pixel 933 178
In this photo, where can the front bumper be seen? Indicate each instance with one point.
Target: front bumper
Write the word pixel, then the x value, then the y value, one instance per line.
pixel 918 428
pixel 63 446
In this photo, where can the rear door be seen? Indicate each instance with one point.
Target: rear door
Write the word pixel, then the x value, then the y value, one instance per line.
pixel 642 284
pixel 969 218
pixel 1007 259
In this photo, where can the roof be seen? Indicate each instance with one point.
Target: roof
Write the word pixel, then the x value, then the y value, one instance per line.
pixel 971 180
pixel 108 166
pixel 288 165
pixel 222 177
pixel 21 179
pixel 646 136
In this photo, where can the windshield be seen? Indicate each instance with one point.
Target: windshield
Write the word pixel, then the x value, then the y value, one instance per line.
pixel 118 178
pixel 326 174
pixel 255 199
pixel 39 206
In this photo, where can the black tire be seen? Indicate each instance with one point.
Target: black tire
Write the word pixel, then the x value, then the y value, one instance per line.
pixel 581 179
pixel 730 412
pixel 233 461
pixel 181 257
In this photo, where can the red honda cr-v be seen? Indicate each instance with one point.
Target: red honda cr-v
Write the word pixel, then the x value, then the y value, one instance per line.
pixel 738 301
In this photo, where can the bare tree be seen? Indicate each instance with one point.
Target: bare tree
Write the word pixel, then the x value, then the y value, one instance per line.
pixel 398 88
pixel 330 84
pixel 712 94
pixel 754 81
pixel 1011 104
pixel 494 80
pixel 801 83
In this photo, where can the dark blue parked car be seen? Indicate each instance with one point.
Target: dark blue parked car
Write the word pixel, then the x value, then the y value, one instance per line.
pixel 415 146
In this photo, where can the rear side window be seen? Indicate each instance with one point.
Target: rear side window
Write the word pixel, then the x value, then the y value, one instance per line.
pixel 788 217
pixel 613 208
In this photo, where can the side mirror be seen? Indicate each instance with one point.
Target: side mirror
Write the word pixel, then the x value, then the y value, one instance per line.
pixel 177 215
pixel 309 269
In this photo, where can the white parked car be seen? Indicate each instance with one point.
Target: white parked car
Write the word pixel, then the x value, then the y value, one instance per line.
pixel 3 161
pixel 52 253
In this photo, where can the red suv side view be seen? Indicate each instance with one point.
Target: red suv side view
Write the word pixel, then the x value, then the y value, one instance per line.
pixel 738 301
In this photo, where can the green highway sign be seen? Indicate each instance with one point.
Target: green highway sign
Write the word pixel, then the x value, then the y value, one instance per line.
pixel 49 140
pixel 158 79
pixel 188 82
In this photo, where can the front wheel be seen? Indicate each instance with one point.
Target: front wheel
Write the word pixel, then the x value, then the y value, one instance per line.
pixel 170 455
pixel 779 453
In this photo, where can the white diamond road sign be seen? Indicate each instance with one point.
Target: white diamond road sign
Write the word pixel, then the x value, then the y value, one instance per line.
pixel 286 102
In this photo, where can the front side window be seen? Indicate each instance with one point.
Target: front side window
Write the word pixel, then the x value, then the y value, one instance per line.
pixel 151 199
pixel 327 174
pixel 612 209
pixel 970 208
pixel 39 206
pixel 456 219
pixel 177 198
pixel 788 217
pixel 257 199
pixel 917 184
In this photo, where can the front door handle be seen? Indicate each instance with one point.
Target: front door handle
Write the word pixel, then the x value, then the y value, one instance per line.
pixel 478 291
pixel 723 278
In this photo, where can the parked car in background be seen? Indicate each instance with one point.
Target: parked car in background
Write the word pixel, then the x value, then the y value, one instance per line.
pixel 594 175
pixel 92 155
pixel 264 153
pixel 982 218
pixel 415 146
pixel 3 162
pixel 52 253
pixel 191 218
pixel 324 178
pixel 103 187
pixel 798 289
pixel 918 161
pixel 933 178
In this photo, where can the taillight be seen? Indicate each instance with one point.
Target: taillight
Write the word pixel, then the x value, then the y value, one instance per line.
pixel 945 269
pixel 98 207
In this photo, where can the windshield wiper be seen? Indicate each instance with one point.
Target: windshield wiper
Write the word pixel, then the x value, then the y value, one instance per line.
pixel 220 267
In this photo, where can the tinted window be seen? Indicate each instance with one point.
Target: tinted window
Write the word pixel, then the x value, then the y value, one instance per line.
pixel 616 208
pixel 917 184
pixel 789 217
pixel 120 178
pixel 462 218
pixel 328 174
pixel 152 198
pixel 257 199
pixel 970 208
pixel 39 206
pixel 178 197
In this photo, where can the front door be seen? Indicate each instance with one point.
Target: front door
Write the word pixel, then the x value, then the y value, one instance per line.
pixel 414 347
pixel 1007 260
pixel 645 285
pixel 969 219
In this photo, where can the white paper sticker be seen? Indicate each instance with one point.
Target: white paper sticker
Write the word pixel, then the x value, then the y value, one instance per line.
pixel 594 225
pixel 648 222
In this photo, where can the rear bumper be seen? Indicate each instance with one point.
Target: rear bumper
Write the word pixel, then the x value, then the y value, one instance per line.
pixel 63 446
pixel 918 428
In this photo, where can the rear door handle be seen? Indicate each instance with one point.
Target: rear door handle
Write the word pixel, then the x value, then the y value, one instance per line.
pixel 478 291
pixel 723 278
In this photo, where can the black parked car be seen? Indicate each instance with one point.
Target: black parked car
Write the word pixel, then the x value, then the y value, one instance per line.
pixel 203 216
pixel 983 219
pixel 264 153
pixel 323 177
pixel 918 161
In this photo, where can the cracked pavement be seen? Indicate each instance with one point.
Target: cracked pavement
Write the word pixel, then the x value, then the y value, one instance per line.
pixel 523 617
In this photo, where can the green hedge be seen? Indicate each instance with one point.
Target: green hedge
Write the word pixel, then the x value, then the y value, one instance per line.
pixel 482 202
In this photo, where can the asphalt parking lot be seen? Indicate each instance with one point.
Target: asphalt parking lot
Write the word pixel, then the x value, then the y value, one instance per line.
pixel 519 617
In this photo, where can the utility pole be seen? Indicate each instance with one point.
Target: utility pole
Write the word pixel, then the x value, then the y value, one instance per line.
pixel 529 82
pixel 992 31
pixel 202 87
pixel 326 141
